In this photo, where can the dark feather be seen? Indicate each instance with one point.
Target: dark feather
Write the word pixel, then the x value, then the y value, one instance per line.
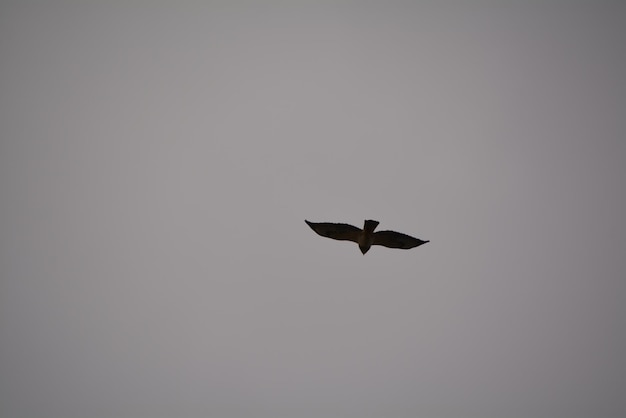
pixel 394 239
pixel 342 232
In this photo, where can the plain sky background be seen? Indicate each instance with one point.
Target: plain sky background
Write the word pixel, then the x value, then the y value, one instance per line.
pixel 158 159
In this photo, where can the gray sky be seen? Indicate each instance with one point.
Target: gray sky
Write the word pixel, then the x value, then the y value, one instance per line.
pixel 157 163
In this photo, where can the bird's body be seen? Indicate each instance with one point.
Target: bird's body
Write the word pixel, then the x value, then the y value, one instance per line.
pixel 365 237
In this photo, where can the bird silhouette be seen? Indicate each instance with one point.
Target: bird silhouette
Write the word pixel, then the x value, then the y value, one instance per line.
pixel 365 237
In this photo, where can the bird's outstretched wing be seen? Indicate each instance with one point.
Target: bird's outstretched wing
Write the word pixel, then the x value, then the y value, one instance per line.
pixel 394 239
pixel 342 232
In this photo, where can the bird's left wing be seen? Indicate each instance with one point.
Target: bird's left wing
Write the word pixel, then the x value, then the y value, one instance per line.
pixel 394 239
pixel 342 232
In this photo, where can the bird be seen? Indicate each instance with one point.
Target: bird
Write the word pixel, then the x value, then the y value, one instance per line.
pixel 365 237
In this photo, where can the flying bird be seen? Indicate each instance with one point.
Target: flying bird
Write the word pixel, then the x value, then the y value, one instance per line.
pixel 365 237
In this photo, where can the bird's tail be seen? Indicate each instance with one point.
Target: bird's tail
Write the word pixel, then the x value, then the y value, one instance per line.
pixel 370 225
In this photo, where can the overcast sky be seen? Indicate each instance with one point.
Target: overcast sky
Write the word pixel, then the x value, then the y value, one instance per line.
pixel 157 162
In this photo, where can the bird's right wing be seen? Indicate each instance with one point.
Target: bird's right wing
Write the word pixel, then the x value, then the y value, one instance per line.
pixel 393 239
pixel 342 232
